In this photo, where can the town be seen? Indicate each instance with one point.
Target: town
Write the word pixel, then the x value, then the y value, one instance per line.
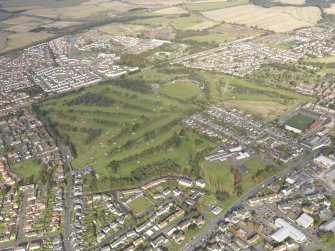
pixel 120 139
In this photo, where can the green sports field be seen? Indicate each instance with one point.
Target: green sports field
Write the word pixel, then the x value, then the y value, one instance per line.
pixel 300 121
pixel 139 205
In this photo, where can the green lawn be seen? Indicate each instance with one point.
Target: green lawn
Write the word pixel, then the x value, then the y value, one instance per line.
pixel 300 121
pixel 27 169
pixel 182 90
pixel 139 205
pixel 184 23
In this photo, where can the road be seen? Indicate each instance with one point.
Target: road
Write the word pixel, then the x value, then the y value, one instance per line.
pixel 213 223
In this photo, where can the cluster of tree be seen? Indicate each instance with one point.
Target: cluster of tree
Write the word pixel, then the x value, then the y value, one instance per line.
pixel 105 122
pixel 262 174
pixel 180 34
pixel 92 134
pixel 92 99
pixel 238 189
pixel 141 174
pixel 134 60
pixel 145 138
pixel 155 169
pixel 222 195
pixel 45 177
pixel 133 84
pixel 239 89
pixel 173 141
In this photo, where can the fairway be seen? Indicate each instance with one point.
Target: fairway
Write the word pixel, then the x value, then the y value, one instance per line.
pixel 182 89
pixel 300 121
pixel 139 205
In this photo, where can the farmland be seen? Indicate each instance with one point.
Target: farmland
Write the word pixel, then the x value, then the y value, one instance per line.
pixel 205 6
pixel 278 19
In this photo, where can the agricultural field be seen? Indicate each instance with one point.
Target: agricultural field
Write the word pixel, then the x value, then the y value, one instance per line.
pixel 330 10
pixel 213 5
pixel 300 121
pixel 330 59
pixel 225 32
pixel 171 11
pixel 296 2
pixel 192 22
pixel 278 19
pixel 19 40
pixel 139 205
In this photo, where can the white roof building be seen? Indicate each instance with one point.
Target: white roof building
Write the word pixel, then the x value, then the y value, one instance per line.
pixel 287 230
pixel 324 161
pixel 305 220
pixel 328 226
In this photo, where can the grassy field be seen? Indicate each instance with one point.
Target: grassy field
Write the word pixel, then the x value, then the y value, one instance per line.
pixel 219 176
pixel 139 205
pixel 278 19
pixel 130 119
pixel 29 169
pixel 300 122
pixel 192 22
pixel 182 90
pixel 330 10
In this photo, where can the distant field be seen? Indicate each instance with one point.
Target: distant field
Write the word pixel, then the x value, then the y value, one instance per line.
pixel 139 205
pixel 18 40
pixel 330 10
pixel 279 19
pixel 226 32
pixel 191 23
pixel 300 122
pixel 171 11
pixel 297 2
pixel 205 6
pixel 330 59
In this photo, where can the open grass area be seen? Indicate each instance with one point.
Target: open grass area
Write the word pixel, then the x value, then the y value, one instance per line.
pixel 182 89
pixel 136 129
pixel 300 121
pixel 29 169
pixel 192 22
pixel 139 205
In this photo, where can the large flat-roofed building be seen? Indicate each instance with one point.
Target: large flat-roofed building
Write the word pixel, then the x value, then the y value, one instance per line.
pixel 287 230
pixel 324 161
pixel 305 220
pixel 329 226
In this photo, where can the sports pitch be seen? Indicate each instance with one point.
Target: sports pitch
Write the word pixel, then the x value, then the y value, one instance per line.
pixel 300 121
